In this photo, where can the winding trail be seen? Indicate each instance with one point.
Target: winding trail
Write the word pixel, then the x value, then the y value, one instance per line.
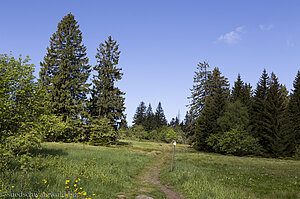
pixel 149 178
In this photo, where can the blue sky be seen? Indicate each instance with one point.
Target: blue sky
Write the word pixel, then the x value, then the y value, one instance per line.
pixel 161 42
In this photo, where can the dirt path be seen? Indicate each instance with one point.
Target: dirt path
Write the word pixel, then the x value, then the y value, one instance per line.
pixel 150 182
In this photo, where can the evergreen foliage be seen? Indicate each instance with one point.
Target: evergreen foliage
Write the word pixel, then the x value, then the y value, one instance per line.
pixel 64 73
pixel 294 109
pixel 102 132
pixel 242 92
pixel 235 115
pixel 140 114
pixel 214 106
pixel 159 116
pixel 149 122
pixel 200 90
pixel 258 109
pixel 279 140
pixel 107 100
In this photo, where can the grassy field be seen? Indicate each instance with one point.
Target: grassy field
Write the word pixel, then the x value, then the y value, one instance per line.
pixel 202 175
pixel 106 172
pixel 83 171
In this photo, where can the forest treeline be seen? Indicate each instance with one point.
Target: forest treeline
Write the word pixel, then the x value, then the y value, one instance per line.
pixel 61 106
pixel 264 121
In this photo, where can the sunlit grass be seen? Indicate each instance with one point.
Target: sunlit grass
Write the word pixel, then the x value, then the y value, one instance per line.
pixel 82 171
pixel 202 175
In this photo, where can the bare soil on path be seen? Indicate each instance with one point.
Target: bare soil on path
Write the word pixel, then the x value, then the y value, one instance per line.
pixel 150 178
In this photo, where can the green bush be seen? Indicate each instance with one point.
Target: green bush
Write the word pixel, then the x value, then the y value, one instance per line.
pixel 101 132
pixel 236 142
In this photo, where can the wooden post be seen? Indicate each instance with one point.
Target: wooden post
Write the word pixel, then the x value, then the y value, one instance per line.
pixel 173 154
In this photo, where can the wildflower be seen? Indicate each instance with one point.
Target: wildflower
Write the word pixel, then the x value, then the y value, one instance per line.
pixel 78 179
pixel 84 193
pixel 67 187
pixel 80 188
pixel 94 194
pixel 12 186
pixel 67 181
pixel 75 185
pixel 75 190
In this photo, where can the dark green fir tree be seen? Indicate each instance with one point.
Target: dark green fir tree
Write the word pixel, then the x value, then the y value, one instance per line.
pixel 159 116
pixel 279 139
pixel 140 115
pixel 64 73
pixel 258 109
pixel 149 122
pixel 214 107
pixel 107 100
pixel 294 109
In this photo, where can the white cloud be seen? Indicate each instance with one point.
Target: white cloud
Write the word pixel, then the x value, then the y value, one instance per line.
pixel 266 27
pixel 233 36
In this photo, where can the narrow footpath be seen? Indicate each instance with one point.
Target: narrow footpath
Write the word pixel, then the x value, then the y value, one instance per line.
pixel 149 179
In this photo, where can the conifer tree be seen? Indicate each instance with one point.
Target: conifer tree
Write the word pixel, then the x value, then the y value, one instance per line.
pixel 200 89
pixel 279 140
pixel 65 70
pixel 237 89
pixel 214 107
pixel 258 109
pixel 242 92
pixel 140 114
pixel 160 118
pixel 149 122
pixel 294 109
pixel 107 100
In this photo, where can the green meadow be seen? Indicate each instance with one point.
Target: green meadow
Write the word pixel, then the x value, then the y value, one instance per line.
pixel 81 171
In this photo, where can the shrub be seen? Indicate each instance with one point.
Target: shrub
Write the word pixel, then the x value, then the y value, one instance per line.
pixel 101 132
pixel 236 142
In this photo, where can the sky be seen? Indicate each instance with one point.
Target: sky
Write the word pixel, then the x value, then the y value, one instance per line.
pixel 161 42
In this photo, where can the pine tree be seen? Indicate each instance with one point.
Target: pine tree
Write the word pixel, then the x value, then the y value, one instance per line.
pixel 65 70
pixel 213 108
pixel 278 139
pixel 159 117
pixel 107 100
pixel 149 122
pixel 258 109
pixel 294 109
pixel 140 114
pixel 200 89
pixel 237 93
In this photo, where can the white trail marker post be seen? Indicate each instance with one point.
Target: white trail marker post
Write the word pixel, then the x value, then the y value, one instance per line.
pixel 172 163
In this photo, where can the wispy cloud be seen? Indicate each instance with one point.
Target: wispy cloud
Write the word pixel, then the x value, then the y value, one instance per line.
pixel 233 36
pixel 290 43
pixel 266 27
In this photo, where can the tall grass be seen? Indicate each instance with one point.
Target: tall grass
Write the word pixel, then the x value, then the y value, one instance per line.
pixel 202 175
pixel 80 170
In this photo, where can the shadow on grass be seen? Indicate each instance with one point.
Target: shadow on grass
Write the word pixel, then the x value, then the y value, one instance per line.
pixel 121 143
pixel 53 152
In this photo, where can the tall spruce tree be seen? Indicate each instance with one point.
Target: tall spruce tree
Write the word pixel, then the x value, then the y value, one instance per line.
pixel 294 109
pixel 200 89
pixel 258 109
pixel 213 108
pixel 107 100
pixel 65 70
pixel 279 140
pixel 140 114
pixel 242 92
pixel 159 116
pixel 149 122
